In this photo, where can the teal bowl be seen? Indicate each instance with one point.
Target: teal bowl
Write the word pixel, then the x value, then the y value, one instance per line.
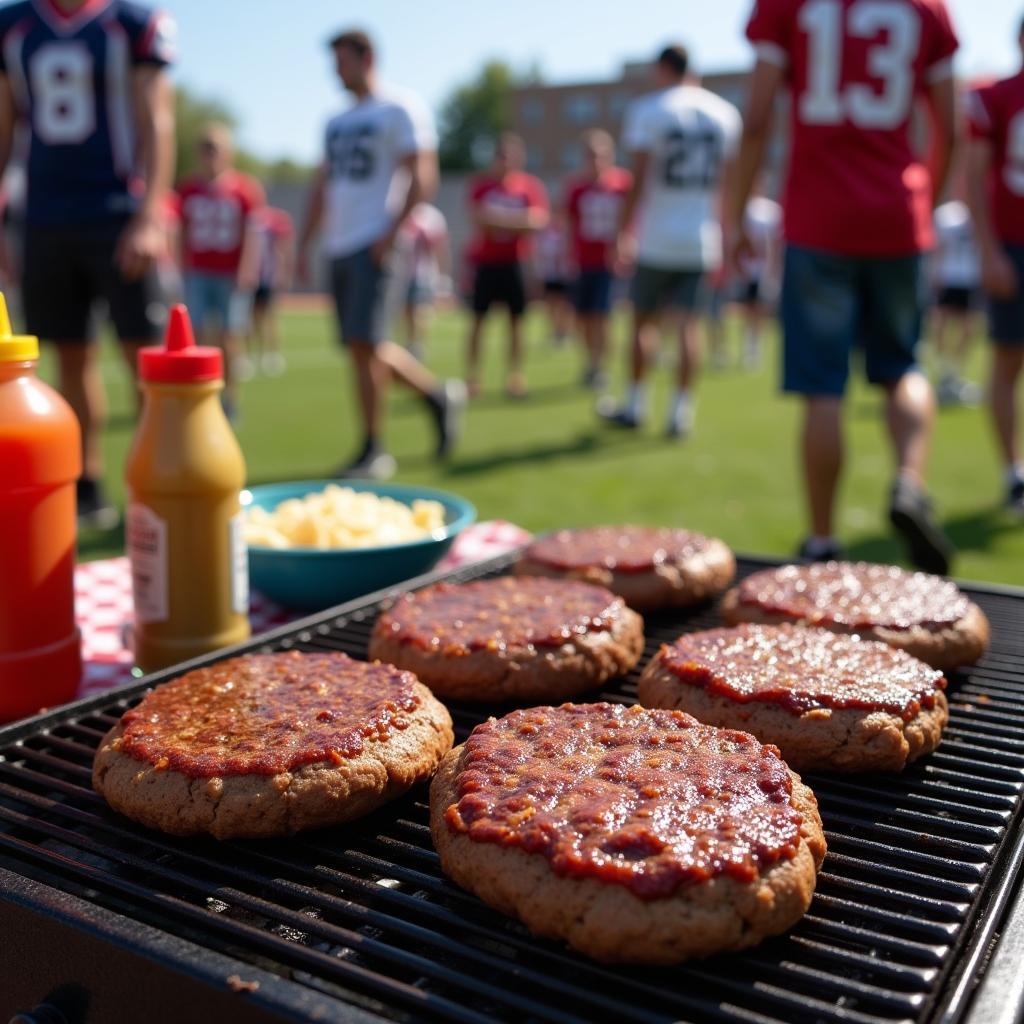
pixel 311 578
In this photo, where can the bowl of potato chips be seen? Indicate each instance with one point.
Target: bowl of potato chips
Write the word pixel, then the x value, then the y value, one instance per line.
pixel 316 543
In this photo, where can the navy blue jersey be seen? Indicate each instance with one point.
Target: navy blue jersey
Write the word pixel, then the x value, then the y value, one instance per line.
pixel 71 78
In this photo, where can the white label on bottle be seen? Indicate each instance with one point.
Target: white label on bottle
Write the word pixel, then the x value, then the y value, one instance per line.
pixel 239 564
pixel 146 535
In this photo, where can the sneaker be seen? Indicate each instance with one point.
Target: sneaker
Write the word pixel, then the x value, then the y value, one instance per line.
pixel 94 510
pixel 616 415
pixel 594 379
pixel 681 425
pixel 272 364
pixel 910 511
pixel 447 407
pixel 1015 499
pixel 828 551
pixel 370 464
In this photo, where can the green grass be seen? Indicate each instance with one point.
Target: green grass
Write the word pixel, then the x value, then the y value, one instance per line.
pixel 547 462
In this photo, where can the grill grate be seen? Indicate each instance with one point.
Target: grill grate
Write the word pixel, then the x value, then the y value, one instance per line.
pixel 362 917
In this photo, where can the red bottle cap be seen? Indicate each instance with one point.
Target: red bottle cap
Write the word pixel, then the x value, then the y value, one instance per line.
pixel 180 360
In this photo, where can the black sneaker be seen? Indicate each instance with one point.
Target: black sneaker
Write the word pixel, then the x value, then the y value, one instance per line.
pixel 370 464
pixel 830 551
pixel 447 406
pixel 94 510
pixel 1015 498
pixel 910 511
pixel 617 416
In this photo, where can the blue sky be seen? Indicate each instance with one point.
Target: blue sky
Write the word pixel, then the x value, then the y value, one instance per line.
pixel 271 67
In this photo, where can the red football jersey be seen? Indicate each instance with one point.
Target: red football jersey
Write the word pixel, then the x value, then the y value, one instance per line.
pixel 855 68
pixel 592 205
pixel 996 113
pixel 214 216
pixel 516 191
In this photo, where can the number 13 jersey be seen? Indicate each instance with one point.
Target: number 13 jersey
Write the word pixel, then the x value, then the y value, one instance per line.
pixel 70 76
pixel 855 69
pixel 687 133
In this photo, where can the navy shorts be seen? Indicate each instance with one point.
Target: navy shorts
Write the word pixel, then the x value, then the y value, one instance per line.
pixel 68 269
pixel 833 304
pixel 655 289
pixel 359 289
pixel 499 284
pixel 1006 316
pixel 211 296
pixel 592 291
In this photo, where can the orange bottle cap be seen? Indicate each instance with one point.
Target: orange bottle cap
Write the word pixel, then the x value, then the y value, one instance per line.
pixel 15 348
pixel 180 360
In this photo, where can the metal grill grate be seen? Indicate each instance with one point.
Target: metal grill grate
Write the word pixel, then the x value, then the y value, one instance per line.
pixel 918 866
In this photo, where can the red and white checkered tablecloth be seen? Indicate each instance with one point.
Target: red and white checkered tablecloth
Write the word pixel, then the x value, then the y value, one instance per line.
pixel 103 602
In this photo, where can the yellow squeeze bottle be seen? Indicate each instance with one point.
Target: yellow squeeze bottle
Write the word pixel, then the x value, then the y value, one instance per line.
pixel 184 526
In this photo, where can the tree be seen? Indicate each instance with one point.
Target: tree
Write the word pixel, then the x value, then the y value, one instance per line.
pixel 472 115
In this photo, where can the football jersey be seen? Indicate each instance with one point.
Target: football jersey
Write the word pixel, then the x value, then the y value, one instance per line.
pixel 688 132
pixel 996 113
pixel 551 254
pixel 71 79
pixel 855 185
pixel 762 221
pixel 215 216
pixel 515 191
pixel 365 186
pixel 955 260
pixel 592 206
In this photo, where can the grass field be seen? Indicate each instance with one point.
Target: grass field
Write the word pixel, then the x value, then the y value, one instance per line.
pixel 547 461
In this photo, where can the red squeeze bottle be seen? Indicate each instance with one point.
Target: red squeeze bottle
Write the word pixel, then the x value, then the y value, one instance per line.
pixel 40 460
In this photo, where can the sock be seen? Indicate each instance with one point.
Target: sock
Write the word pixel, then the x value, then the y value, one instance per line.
pixel 636 401
pixel 681 410
pixel 1014 474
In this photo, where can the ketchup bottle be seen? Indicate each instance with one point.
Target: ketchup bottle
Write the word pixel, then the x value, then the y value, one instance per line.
pixel 40 460
pixel 184 522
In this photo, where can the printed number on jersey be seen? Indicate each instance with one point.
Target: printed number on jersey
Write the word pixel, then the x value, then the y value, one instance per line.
pixel 885 100
pixel 214 225
pixel 691 159
pixel 63 99
pixel 350 153
pixel 1013 171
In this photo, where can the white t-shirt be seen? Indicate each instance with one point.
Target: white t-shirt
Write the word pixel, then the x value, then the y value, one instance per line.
pixel 688 132
pixel 366 188
pixel 955 260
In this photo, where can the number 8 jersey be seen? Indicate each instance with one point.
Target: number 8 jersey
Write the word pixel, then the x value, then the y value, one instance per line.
pixel 855 68
pixel 70 75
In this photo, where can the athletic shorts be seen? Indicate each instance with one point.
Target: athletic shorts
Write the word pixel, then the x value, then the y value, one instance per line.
pixel 749 292
pixel 556 286
pixel 1006 316
pixel 214 298
pixel 499 284
pixel 833 304
pixel 67 270
pixel 263 295
pixel 359 286
pixel 592 291
pixel 956 298
pixel 419 293
pixel 655 289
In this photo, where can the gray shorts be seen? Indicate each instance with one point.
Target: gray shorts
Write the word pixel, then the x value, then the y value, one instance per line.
pixel 359 287
pixel 655 289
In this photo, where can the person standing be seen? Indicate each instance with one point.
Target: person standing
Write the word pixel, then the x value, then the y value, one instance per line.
pixel 381 160
pixel 683 140
pixel 858 215
pixel 995 181
pixel 87 79
pixel 507 206
pixel 423 273
pixel 592 204
pixel 276 247
pixel 220 249
pixel 955 276
pixel 759 273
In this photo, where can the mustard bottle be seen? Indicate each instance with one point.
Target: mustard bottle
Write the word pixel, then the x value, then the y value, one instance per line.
pixel 184 528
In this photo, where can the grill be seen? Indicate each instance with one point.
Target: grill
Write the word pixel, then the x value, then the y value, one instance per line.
pixel 914 918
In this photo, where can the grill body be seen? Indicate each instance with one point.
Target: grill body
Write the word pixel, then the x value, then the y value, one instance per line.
pixel 357 924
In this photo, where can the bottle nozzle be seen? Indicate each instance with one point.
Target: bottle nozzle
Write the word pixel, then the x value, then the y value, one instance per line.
pixel 5 320
pixel 15 348
pixel 179 329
